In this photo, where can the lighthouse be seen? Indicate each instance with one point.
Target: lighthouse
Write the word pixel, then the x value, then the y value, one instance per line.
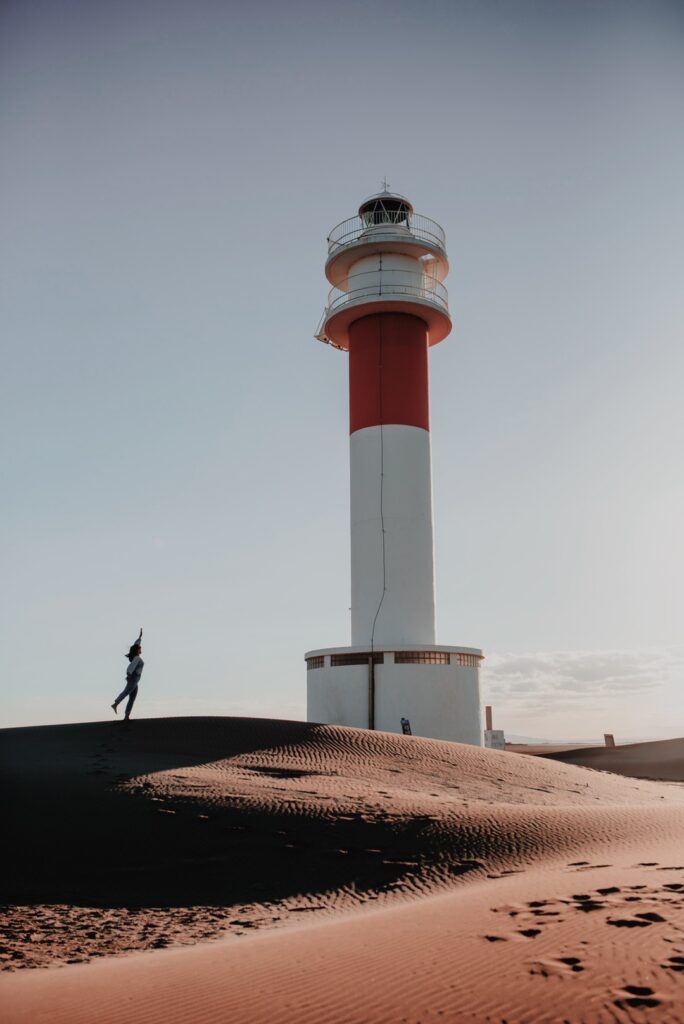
pixel 387 306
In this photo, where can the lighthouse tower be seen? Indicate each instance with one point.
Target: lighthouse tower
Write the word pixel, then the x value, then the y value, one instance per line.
pixel 387 306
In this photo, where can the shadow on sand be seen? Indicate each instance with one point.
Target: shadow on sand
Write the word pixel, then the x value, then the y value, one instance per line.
pixel 85 834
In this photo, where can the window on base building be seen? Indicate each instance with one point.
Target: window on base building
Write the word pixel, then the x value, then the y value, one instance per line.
pixel 337 660
pixel 421 658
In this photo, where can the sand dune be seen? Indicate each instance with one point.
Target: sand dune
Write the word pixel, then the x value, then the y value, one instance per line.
pixel 663 759
pixel 341 876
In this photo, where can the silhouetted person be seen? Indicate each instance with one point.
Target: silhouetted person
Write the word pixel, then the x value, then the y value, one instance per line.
pixel 133 673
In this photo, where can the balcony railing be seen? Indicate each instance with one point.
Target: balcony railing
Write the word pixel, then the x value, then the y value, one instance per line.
pixel 375 284
pixel 355 230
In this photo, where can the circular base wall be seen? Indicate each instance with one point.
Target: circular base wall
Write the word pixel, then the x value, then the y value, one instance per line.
pixel 436 688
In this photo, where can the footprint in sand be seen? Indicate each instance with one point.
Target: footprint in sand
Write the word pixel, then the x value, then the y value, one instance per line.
pixel 573 962
pixel 561 967
pixel 636 996
pixel 627 922
pixel 536 909
pixel 587 903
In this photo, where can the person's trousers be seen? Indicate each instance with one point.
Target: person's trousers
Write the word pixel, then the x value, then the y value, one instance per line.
pixel 130 691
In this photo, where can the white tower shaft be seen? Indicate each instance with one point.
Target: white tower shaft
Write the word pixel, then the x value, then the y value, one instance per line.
pixel 392 560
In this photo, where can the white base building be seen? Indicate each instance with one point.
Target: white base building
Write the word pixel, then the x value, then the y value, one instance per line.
pixel 436 688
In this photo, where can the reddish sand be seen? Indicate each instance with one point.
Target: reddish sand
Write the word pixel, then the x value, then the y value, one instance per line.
pixel 388 878
pixel 661 760
pixel 540 749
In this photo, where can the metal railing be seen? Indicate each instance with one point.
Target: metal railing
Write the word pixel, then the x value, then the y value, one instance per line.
pixel 375 284
pixel 356 229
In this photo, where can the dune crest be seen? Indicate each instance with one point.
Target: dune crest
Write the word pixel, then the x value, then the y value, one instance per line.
pixel 425 868
pixel 662 759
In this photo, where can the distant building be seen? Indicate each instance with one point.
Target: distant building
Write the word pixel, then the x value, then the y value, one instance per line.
pixel 493 738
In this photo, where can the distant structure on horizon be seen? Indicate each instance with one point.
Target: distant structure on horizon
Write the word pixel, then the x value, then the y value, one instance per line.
pixel 494 738
pixel 387 306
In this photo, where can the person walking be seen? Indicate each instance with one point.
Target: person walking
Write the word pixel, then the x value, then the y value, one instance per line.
pixel 133 673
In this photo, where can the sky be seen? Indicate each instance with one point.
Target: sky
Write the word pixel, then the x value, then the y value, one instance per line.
pixel 174 443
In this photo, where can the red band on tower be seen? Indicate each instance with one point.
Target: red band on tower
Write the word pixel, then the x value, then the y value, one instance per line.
pixel 388 371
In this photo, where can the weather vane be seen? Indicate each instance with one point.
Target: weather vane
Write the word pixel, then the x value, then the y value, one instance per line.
pixel 385 184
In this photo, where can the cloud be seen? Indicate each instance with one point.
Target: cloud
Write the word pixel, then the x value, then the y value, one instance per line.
pixel 580 689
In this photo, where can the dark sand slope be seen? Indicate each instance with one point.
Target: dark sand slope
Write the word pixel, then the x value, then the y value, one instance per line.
pixel 663 759
pixel 509 888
